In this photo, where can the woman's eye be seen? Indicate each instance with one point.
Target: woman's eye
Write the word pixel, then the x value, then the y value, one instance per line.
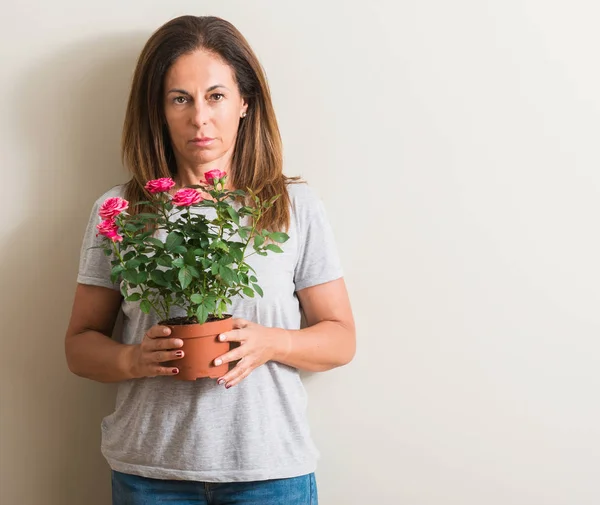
pixel 180 99
pixel 217 97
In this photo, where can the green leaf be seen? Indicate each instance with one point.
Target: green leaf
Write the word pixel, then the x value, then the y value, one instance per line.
pixel 279 237
pixel 196 298
pixel 214 268
pixel 179 263
pixel 219 244
pixel 145 307
pixel 274 248
pixel 258 289
pixel 223 306
pixel 130 276
pixel 173 240
pixel 258 241
pixel 155 242
pixel 227 274
pixel 244 231
pixel 253 279
pixel 234 215
pixel 185 277
pixel 144 259
pixel 115 272
pixel 238 254
pixel 133 297
pixel 194 271
pixel 210 303
pixel 202 314
pixel 141 277
pixel 124 289
pixel 164 261
pixel 226 259
pixel 190 257
pixel 159 278
pixel 248 291
pixel 133 263
pixel 179 249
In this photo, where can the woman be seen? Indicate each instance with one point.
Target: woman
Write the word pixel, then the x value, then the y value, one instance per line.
pixel 200 101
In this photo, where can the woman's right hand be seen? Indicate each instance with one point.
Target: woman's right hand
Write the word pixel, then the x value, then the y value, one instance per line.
pixel 147 359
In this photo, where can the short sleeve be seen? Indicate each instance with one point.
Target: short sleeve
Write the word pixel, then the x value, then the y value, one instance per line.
pixel 94 265
pixel 318 260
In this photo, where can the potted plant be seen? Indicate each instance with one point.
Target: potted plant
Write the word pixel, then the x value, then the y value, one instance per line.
pixel 173 255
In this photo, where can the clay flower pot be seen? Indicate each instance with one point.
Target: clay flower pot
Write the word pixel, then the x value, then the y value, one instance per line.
pixel 201 347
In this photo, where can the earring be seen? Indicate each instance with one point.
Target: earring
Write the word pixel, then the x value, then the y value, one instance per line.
pixel 244 114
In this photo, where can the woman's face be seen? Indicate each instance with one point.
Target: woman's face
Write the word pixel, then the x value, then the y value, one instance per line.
pixel 203 108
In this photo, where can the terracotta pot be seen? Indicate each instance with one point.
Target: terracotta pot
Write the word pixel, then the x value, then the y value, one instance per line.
pixel 201 348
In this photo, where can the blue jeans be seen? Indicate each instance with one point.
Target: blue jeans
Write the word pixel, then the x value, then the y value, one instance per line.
pixel 133 490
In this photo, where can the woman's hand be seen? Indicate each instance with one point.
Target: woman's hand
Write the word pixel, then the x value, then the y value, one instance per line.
pixel 144 360
pixel 258 344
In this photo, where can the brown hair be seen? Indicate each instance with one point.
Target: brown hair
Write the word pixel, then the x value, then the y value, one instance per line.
pixel 257 161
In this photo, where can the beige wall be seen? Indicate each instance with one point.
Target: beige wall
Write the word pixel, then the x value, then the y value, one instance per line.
pixel 455 147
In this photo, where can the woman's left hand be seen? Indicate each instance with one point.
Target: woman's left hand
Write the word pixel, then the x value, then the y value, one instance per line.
pixel 258 344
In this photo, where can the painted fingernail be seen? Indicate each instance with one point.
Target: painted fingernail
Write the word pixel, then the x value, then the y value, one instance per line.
pixel 179 354
pixel 228 386
pixel 220 382
pixel 175 370
pixel 222 337
pixel 218 362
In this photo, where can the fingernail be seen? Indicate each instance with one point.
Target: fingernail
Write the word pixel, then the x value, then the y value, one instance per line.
pixel 175 370
pixel 166 330
pixel 218 362
pixel 220 382
pixel 178 342
pixel 179 354
pixel 228 386
pixel 221 337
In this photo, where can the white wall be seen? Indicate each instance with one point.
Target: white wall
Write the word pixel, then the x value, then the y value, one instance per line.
pixel 455 145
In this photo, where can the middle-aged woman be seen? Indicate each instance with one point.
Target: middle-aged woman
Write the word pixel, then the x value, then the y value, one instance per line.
pixel 200 102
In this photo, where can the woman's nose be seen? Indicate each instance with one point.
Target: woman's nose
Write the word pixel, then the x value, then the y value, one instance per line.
pixel 200 115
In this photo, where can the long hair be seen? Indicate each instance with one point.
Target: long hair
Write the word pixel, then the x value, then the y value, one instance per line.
pixel 257 161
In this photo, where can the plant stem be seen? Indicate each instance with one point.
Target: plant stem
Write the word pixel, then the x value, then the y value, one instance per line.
pixel 154 307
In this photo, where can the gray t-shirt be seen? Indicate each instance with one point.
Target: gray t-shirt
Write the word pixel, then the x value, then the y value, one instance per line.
pixel 169 429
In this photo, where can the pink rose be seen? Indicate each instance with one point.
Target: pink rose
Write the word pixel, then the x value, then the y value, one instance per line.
pixel 186 197
pixel 109 229
pixel 213 175
pixel 112 207
pixel 160 185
